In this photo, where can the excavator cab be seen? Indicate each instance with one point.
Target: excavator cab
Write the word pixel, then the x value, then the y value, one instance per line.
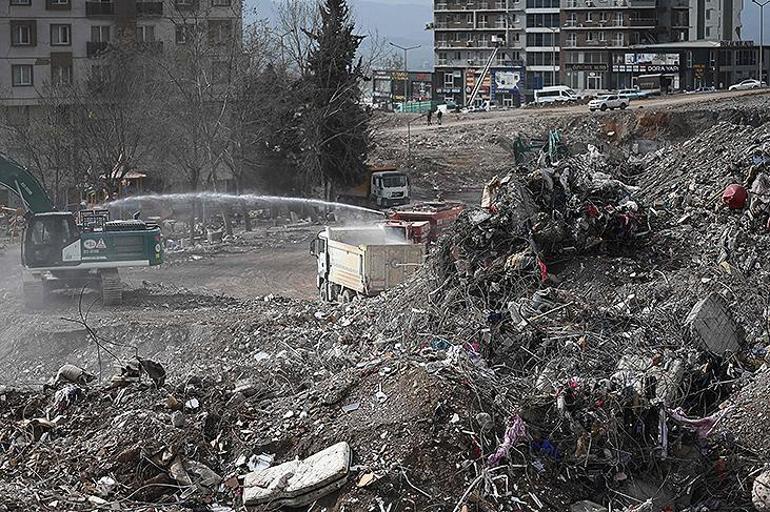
pixel 45 238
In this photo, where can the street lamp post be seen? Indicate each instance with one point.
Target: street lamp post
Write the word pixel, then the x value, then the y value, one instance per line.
pixel 761 63
pixel 406 67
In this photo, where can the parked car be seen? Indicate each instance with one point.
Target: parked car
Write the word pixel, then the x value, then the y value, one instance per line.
pixel 610 102
pixel 747 84
pixel 633 94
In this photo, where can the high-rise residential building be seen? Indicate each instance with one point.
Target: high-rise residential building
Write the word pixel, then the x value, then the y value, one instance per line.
pixel 542 44
pixel 46 42
pixel 467 34
pixel 715 20
pixel 597 37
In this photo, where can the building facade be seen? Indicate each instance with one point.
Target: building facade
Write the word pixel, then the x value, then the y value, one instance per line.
pixel 715 20
pixel 49 42
pixel 467 34
pixel 388 87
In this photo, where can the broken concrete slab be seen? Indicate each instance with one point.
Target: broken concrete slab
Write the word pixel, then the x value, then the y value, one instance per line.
pixel 586 506
pixel 666 372
pixel 299 482
pixel 760 492
pixel 713 325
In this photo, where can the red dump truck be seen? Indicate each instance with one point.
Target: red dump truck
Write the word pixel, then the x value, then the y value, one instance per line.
pixel 425 222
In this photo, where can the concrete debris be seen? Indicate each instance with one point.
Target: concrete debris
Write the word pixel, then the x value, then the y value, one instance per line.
pixel 713 326
pixel 760 492
pixel 592 336
pixel 301 482
pixel 586 506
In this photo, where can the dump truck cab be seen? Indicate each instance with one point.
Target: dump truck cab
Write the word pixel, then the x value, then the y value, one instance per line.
pixel 389 188
pixel 382 186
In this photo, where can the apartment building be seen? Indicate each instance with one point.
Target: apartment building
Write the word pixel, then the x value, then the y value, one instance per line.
pixel 52 42
pixel 597 37
pixel 715 20
pixel 467 33
pixel 542 43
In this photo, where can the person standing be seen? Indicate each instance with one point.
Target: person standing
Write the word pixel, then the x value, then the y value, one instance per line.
pixel 430 116
pixel 439 115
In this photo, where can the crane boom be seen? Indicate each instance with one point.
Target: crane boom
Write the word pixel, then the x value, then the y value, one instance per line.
pixel 23 183
pixel 480 80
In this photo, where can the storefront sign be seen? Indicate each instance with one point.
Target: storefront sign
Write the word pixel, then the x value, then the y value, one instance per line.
pixel 652 59
pixel 736 44
pixel 587 66
pixel 648 68
pixel 505 80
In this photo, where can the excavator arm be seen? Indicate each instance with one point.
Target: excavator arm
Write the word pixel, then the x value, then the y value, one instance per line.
pixel 23 183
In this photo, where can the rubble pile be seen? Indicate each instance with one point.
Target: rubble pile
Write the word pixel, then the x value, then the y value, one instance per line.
pixel 606 337
pixel 591 337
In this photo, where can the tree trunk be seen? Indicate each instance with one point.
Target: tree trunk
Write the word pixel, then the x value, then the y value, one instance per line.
pixel 246 218
pixel 192 222
pixel 226 216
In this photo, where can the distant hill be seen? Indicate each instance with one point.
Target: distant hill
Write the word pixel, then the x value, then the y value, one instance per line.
pixel 400 21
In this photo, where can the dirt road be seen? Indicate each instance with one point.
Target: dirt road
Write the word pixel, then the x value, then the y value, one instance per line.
pixel 462 120
pixel 288 272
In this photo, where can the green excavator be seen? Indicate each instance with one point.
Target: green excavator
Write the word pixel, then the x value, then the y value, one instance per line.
pixel 66 250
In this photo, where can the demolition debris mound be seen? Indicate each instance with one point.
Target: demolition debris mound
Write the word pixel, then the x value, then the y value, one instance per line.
pixel 590 336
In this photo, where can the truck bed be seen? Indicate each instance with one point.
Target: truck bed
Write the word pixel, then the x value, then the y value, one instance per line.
pixel 372 268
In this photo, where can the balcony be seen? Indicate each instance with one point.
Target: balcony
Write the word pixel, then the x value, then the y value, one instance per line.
pixel 149 8
pixel 95 49
pixel 453 25
pixel 496 5
pixel 642 22
pixel 100 8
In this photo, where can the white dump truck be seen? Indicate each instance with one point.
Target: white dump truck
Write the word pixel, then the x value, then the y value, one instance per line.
pixel 362 261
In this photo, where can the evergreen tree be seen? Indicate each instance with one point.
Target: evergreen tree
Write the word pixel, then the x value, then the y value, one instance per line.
pixel 336 123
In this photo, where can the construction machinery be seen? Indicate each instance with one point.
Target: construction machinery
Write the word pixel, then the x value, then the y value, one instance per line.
pixel 62 249
pixel 362 261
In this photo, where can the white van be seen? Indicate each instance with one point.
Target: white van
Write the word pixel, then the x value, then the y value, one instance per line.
pixel 554 94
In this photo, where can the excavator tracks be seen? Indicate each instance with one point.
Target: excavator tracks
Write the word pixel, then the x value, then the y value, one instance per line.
pixel 112 288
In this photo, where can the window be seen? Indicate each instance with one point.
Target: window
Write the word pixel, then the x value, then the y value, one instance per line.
pixel 449 80
pixel 184 33
pixel 21 2
pixel 22 33
pixel 571 40
pixel 220 3
pixel 617 39
pixel 589 36
pixel 145 33
pixel 589 19
pixel 483 21
pixel 100 34
pixel 220 31
pixel 708 14
pixel 571 19
pixel 708 31
pixel 61 35
pixel 618 19
pixel 61 74
pixel 542 20
pixel 603 17
pixel 602 36
pixel 21 75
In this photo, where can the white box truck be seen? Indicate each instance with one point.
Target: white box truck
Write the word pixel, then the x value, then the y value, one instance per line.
pixel 362 261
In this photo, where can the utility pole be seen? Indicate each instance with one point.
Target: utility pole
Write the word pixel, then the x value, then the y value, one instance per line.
pixel 761 62
pixel 406 67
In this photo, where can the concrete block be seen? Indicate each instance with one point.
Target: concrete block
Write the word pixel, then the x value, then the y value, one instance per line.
pixel 713 325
